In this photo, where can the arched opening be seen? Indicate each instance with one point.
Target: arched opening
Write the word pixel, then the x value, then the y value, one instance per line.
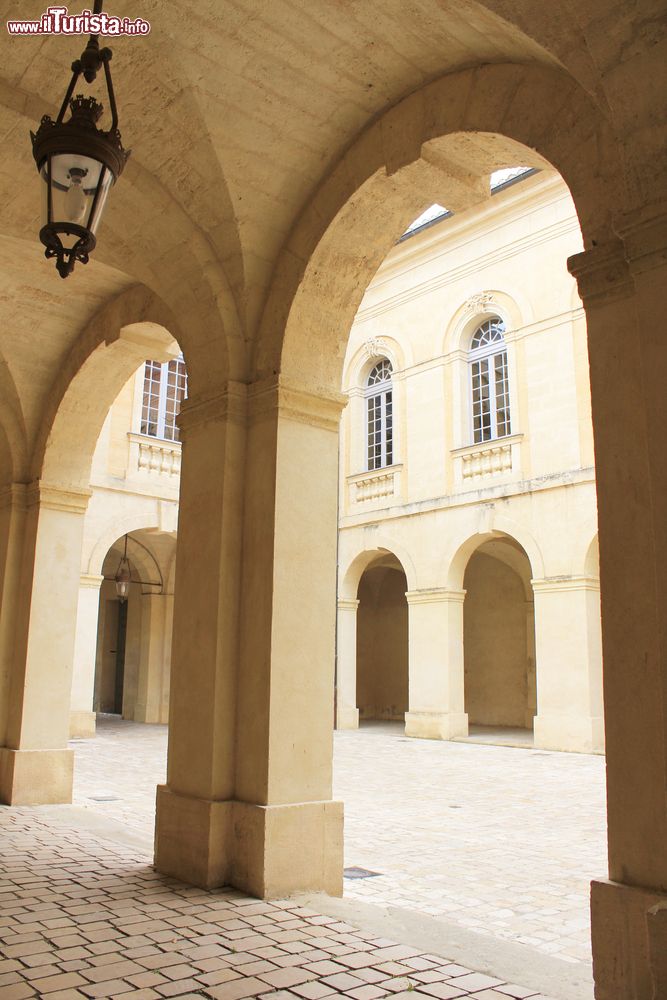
pixel 382 642
pixel 499 643
pixel 473 478
pixel 133 651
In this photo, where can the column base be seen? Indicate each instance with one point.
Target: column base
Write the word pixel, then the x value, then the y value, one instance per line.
pixel 36 777
pixel 629 928
pixel 435 725
pixel 82 725
pixel 347 717
pixel 577 733
pixel 151 716
pixel 266 851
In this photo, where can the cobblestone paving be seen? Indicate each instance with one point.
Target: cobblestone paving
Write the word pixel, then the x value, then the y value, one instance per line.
pixel 82 918
pixel 499 840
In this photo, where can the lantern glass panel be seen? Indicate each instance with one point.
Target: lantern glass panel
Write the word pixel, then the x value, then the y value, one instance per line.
pixel 75 180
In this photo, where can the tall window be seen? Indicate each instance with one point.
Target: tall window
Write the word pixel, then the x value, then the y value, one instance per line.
pixel 490 383
pixel 379 416
pixel 165 388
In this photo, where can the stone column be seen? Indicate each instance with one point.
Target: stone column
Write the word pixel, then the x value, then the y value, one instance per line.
pixel 82 715
pixel 569 665
pixel 437 697
pixel 347 713
pixel 250 758
pixel 289 832
pixel 194 809
pixel 152 659
pixel 35 764
pixel 622 286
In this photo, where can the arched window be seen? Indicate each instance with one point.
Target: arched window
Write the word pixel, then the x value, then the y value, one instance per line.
pixel 379 416
pixel 489 382
pixel 165 388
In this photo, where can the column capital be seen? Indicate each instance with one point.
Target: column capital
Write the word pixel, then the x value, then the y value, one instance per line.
pixel 644 235
pixel 230 404
pixel 276 396
pixel 435 595
pixel 602 273
pixel 50 496
pixel 91 581
pixel 347 604
pixel 558 584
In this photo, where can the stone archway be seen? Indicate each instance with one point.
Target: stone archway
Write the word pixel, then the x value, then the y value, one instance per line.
pixel 122 335
pixel 499 638
pixel 382 642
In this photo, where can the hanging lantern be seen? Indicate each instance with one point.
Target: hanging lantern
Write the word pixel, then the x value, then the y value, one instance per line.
pixel 123 577
pixel 78 164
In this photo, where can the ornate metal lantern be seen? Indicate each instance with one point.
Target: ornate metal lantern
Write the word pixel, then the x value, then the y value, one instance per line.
pixel 123 577
pixel 78 163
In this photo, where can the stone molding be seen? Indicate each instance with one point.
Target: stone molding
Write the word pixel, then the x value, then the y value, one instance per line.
pixel 275 397
pixel 435 595
pixel 644 235
pixel 347 604
pixel 14 495
pixel 602 273
pixel 91 581
pixel 231 405
pixel 559 584
pixel 53 497
pixel 470 270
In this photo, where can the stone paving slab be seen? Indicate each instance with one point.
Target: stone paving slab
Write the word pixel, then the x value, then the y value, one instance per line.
pixel 501 841
pixel 144 936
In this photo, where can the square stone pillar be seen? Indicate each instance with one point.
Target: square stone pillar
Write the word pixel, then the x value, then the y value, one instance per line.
pixel 152 704
pixel 347 713
pixel 194 809
pixel 435 657
pixel 292 834
pixel 82 716
pixel 35 765
pixel 248 799
pixel 622 285
pixel 568 665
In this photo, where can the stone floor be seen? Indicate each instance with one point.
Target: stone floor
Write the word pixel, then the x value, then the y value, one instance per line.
pixel 498 840
pixel 81 917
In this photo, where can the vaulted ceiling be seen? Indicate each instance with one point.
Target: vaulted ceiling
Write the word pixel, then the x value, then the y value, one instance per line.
pixel 236 110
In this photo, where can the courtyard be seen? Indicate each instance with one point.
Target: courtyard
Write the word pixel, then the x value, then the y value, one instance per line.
pixel 495 840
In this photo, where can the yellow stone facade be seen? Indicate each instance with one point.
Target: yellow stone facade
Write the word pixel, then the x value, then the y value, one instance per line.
pixel 447 515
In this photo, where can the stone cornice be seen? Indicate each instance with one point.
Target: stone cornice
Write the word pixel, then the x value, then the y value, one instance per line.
pixel 347 604
pixel 91 581
pixel 231 405
pixel 602 273
pixel 53 497
pixel 275 397
pixel 560 584
pixel 451 275
pixel 435 595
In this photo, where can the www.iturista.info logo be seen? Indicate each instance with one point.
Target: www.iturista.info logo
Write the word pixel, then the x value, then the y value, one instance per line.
pixel 59 21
